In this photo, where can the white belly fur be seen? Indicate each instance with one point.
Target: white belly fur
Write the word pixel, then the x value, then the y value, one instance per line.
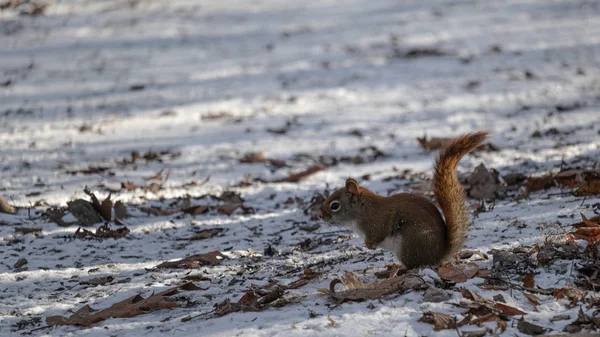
pixel 393 244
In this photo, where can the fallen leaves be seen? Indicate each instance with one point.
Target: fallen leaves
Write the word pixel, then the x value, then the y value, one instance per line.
pixel 130 307
pixel 590 231
pixel 103 232
pixel 259 157
pixel 26 230
pixel 193 261
pixel 359 291
pixel 530 328
pixel 296 177
pixel 207 233
pixel 260 298
pixel 439 320
pixel 458 273
pixel 585 182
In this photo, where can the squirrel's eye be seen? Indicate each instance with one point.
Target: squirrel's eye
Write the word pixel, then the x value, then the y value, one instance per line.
pixel 335 206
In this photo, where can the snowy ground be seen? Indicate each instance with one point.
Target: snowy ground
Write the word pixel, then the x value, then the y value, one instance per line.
pixel 89 82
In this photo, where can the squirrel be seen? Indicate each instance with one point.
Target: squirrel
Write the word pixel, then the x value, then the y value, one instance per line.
pixel 410 225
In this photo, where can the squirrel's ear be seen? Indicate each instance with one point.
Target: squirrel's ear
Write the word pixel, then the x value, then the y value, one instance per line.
pixel 352 186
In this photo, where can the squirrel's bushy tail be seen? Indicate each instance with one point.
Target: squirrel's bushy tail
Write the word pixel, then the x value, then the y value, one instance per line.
pixel 448 191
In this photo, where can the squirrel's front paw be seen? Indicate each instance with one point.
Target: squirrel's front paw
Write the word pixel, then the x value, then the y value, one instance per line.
pixel 370 244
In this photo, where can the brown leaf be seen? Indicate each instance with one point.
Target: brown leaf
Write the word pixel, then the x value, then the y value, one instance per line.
pixel 471 295
pixel 211 258
pixel 532 299
pixel 159 211
pixel 255 157
pixel 589 232
pixel 573 294
pixel 296 177
pixel 25 230
pixel 589 223
pixel 330 322
pixel 98 281
pixel 591 186
pixel 130 307
pixel 85 212
pixel 128 186
pixel 253 300
pixel 227 209
pixel 529 281
pixel 196 278
pixel 569 178
pixel 207 233
pixel 120 211
pixel 157 176
pixel 196 210
pixel 103 232
pixel 458 273
pixel 510 311
pixel 359 291
pixel 438 320
pixel 530 328
pixel 534 184
pixel 190 286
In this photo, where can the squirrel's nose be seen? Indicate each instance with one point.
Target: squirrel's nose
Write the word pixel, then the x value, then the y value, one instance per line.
pixel 320 214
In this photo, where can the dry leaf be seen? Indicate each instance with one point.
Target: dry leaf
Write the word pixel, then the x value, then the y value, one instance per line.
pixel 211 258
pixel 330 322
pixel 159 211
pixel 157 176
pixel 590 231
pixel 227 209
pixel 529 281
pixel 190 286
pixel 569 178
pixel 458 273
pixel 296 177
pixel 438 320
pixel 588 222
pixel 83 210
pixel 128 186
pixel 207 233
pixel 532 299
pixel 98 281
pixel 120 211
pixel 133 306
pixel 359 291
pixel 196 278
pixel 25 230
pixel 591 185
pixel 253 300
pixel 104 208
pixel 510 311
pixel 573 294
pixel 196 210
pixel 530 329
pixel 256 157
pixel 103 232
pixel 534 184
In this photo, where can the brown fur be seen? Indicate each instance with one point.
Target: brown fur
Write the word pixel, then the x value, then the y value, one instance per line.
pixel 424 237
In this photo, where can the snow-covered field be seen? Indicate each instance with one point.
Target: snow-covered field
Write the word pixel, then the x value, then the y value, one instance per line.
pixel 197 85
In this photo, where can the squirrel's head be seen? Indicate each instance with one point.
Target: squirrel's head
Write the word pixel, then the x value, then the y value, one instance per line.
pixel 341 206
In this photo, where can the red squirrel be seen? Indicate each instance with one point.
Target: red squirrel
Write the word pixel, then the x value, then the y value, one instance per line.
pixel 410 225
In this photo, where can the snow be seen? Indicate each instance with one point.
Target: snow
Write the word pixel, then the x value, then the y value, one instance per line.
pixel 326 68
